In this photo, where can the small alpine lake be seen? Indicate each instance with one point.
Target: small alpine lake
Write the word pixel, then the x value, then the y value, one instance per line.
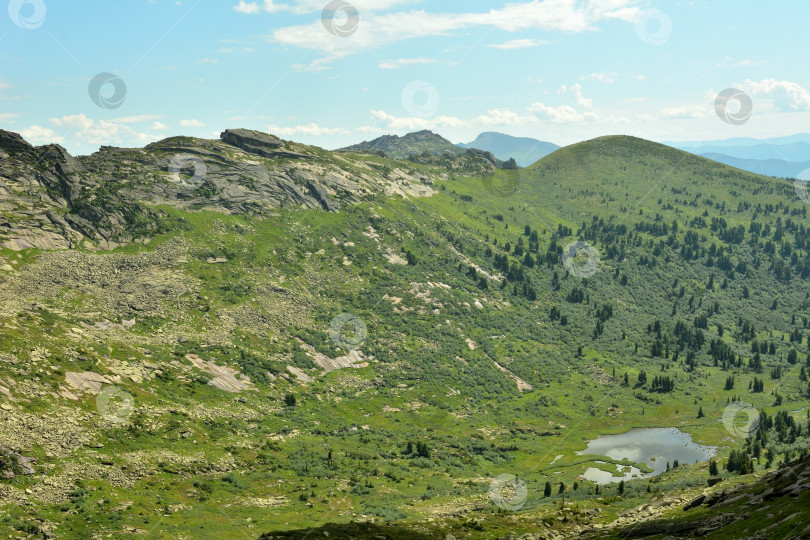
pixel 650 448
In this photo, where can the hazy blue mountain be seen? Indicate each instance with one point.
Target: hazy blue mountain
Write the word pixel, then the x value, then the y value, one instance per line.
pixel 741 141
pixel 776 156
pixel 525 150
pixel 767 167
pixel 792 148
pixel 796 152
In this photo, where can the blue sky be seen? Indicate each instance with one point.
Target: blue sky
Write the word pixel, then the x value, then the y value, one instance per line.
pixel 557 70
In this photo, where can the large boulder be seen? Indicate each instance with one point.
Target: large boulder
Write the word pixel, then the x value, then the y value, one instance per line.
pixel 249 140
pixel 256 142
pixel 511 164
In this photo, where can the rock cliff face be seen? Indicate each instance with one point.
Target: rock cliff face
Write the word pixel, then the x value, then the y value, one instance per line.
pixel 52 200
pixel 255 142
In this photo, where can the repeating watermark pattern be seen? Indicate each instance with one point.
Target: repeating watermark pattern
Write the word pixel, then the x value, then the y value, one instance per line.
pixel 184 163
pixel 344 340
pixel 503 183
pixel 340 18
pixel 731 423
pixel 97 89
pixel 801 185
pixel 421 99
pixel 740 116
pixel 654 27
pixel 27 14
pixel 508 492
pixel 107 407
pixel 581 259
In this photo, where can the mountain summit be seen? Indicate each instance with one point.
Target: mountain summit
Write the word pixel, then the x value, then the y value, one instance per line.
pixel 524 150
pixel 403 147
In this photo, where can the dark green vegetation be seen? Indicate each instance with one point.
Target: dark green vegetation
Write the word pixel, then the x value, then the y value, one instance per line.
pixel 479 353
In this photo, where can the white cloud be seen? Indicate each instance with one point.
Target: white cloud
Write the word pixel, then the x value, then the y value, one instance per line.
pixel 308 129
pixel 576 92
pixel 562 114
pixel 5 117
pixel 159 126
pixel 685 112
pixel 247 7
pixel 731 62
pixel 519 44
pixel 209 61
pixel 401 62
pixel 493 117
pixel 311 6
pixel 135 119
pixel 375 30
pixel 785 95
pixel 607 78
pixel 415 123
pixel 193 122
pixel 90 131
pixel 37 135
pixel 319 64
pixel 505 117
pixel 243 50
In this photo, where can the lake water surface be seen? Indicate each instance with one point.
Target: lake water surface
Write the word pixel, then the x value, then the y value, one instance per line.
pixel 652 446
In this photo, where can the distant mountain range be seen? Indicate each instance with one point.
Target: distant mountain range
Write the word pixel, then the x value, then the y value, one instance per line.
pixel 741 141
pixel 767 167
pixel 778 156
pixel 524 150
pixel 784 157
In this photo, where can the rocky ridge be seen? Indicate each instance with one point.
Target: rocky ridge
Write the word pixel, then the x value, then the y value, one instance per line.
pixel 52 200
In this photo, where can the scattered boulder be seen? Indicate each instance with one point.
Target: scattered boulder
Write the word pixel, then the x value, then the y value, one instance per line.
pixel 14 464
pixel 694 503
pixel 88 381
pixel 224 378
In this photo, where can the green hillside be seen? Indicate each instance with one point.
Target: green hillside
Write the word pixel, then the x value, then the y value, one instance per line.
pixel 300 341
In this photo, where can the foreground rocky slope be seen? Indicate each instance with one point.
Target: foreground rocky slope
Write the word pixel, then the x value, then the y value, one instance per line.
pixel 282 365
pixel 775 506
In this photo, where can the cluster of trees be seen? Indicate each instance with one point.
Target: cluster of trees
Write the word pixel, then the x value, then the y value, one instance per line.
pixel 740 462
pixel 663 383
pixel 420 449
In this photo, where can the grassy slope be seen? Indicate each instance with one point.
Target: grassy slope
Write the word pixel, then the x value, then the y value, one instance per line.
pixel 425 383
